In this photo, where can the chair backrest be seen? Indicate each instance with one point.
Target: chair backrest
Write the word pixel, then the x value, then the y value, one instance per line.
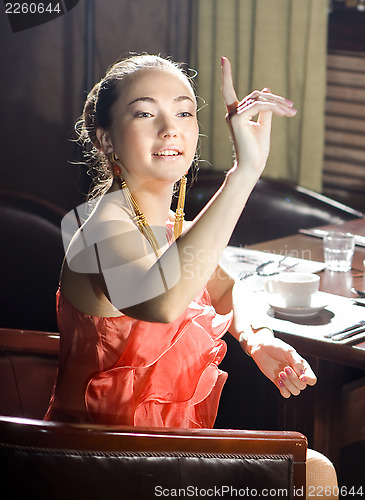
pixel 43 460
pixel 28 364
pixel 275 209
pixel 31 254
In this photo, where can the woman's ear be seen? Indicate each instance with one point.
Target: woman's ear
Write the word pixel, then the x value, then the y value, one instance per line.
pixel 104 140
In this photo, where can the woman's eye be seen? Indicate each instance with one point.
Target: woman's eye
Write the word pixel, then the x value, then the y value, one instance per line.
pixel 143 114
pixel 185 114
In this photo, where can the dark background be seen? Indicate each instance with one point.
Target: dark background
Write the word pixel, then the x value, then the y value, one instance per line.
pixel 46 72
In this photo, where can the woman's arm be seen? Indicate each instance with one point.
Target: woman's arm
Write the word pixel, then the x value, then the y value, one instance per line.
pixel 177 277
pixel 277 360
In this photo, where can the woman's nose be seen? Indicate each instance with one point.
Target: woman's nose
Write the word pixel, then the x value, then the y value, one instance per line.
pixel 167 128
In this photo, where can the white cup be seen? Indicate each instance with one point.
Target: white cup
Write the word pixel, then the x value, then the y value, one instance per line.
pixel 295 289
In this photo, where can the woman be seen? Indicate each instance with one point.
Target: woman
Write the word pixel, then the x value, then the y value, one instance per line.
pixel 142 306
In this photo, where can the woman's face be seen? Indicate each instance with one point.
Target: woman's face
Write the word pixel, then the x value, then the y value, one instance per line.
pixel 154 129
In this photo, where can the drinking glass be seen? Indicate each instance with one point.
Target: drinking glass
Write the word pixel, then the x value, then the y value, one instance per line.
pixel 338 251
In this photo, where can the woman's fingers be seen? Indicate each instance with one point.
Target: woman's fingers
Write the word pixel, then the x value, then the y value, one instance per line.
pixel 303 369
pixel 283 390
pixel 308 376
pixel 265 95
pixel 251 138
pixel 291 381
pixel 261 102
pixel 229 93
pixel 254 103
pixel 295 378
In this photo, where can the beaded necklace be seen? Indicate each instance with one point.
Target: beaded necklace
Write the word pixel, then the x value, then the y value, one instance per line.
pixel 139 217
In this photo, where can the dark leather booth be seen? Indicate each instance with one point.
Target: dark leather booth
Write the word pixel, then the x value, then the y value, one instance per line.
pixel 31 256
pixel 275 208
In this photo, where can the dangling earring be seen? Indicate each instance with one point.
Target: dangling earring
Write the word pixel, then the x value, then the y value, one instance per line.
pixel 113 159
pixel 179 215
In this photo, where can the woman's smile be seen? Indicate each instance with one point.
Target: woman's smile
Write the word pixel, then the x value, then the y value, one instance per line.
pixel 168 153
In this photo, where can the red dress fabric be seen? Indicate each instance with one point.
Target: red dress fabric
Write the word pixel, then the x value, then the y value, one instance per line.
pixel 120 370
pixel 124 371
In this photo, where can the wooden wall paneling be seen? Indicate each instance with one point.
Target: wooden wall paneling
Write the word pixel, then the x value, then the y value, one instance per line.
pixel 344 161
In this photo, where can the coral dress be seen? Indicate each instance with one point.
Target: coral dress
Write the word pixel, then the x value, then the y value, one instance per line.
pixel 133 372
pixel 120 370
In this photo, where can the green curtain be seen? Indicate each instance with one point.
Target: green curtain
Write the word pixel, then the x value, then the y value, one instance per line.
pixel 280 44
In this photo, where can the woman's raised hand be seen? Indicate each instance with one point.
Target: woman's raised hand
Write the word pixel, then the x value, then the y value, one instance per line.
pixel 251 138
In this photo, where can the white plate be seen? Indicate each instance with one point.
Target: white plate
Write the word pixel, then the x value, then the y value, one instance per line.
pixel 319 302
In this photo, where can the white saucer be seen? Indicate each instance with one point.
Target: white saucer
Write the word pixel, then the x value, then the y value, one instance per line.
pixel 319 302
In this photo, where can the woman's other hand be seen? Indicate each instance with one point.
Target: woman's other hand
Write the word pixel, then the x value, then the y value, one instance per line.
pixel 251 138
pixel 280 363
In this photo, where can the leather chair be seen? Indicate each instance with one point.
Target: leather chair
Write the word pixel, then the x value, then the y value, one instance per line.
pixel 41 460
pixel 31 254
pixel 275 209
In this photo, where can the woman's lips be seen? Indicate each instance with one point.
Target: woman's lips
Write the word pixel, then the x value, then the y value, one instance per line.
pixel 168 152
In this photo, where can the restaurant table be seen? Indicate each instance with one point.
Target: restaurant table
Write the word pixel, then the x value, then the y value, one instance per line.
pixel 321 411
